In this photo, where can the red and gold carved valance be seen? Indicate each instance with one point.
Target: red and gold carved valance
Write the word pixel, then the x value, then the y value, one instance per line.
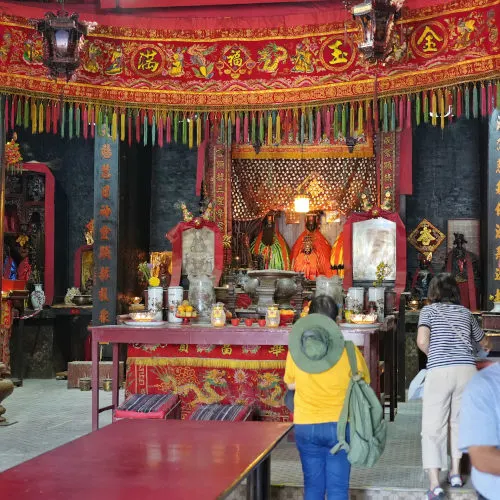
pixel 259 68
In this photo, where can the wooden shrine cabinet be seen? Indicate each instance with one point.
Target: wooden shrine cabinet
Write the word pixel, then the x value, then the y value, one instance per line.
pixel 29 211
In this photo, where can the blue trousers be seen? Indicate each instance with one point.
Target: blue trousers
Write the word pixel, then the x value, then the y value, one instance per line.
pixel 324 473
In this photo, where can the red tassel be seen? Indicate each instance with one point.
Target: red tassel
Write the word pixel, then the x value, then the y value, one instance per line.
pixel 246 138
pixel 160 131
pixel 55 117
pixel 490 100
pixel 483 100
pixel 408 112
pixel 459 102
pixel 318 127
pixel 13 112
pixel 401 111
pixel 48 116
pixel 286 127
pixel 327 122
pixel 169 130
pixel 138 121
pixel 85 120
pixel 92 122
pixel 237 126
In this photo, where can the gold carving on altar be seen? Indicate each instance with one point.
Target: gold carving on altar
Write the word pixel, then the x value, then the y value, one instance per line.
pixel 426 238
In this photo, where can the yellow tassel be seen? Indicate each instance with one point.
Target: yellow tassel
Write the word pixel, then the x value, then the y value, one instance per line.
pixel 351 120
pixel 269 128
pixel 191 133
pixel 114 126
pixel 122 126
pixel 441 107
pixel 33 117
pixel 278 129
pixel 245 364
pixel 233 117
pixel 198 130
pixel 40 118
pixel 360 118
pixel 434 109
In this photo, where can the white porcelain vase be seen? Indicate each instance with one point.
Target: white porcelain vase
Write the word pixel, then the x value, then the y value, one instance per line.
pixel 155 301
pixel 377 294
pixel 175 296
pixel 38 297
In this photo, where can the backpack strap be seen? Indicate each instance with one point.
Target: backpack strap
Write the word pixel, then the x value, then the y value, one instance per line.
pixel 344 415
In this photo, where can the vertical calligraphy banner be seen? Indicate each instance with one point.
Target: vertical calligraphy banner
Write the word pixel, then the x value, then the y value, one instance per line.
pixel 493 217
pixel 106 159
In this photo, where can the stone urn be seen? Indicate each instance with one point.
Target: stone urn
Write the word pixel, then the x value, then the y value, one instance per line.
pixel 6 389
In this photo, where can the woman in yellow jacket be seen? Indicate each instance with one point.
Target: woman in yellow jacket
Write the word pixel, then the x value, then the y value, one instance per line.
pixel 317 368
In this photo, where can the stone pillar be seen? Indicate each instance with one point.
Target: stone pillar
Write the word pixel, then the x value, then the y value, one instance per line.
pixel 493 213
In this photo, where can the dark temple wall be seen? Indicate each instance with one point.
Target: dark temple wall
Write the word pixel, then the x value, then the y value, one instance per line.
pixel 448 179
pixel 173 180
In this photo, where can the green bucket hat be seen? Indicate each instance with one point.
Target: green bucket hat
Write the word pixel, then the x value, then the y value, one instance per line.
pixel 315 343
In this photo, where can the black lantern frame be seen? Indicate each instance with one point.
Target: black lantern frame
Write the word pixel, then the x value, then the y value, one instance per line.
pixel 61 42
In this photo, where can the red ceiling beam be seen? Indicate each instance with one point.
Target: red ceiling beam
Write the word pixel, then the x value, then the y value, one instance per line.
pixel 160 4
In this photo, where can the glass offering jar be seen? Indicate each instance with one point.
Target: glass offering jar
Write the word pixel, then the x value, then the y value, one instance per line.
pixel 201 296
pixel 218 315
pixel 273 316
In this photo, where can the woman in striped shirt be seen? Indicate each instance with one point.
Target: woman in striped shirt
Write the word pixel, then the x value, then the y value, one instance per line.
pixel 448 334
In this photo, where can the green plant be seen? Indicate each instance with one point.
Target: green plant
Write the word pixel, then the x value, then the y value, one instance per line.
pixel 383 270
pixel 145 269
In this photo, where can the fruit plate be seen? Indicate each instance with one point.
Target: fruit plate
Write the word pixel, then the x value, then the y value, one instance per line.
pixel 145 323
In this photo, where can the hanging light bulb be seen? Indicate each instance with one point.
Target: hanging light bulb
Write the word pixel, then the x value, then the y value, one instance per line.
pixel 301 203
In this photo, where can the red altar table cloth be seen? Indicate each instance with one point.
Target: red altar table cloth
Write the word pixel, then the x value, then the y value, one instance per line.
pixel 176 460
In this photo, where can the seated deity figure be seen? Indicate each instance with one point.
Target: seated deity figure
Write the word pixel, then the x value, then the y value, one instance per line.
pixel 271 246
pixel 311 252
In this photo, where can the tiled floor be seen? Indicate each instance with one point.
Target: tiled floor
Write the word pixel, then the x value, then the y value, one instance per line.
pixel 49 415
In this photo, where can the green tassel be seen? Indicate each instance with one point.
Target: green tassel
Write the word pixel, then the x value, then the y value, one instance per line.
pixel 145 130
pixel 222 131
pixel 176 125
pixel 153 131
pixel 336 122
pixel 184 130
pixel 229 132
pixel 475 102
pixel 344 120
pixel 393 115
pixel 467 102
pixel 19 118
pixel 386 117
pixel 311 126
pixel 253 130
pixel 26 116
pixel 63 118
pixel 261 128
pixel 302 127
pixel 417 109
pixel 70 121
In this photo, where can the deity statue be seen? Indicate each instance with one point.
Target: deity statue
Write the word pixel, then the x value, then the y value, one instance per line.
pixel 311 252
pixel 271 246
pixel 464 266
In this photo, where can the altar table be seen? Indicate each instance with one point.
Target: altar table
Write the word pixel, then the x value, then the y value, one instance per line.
pixel 174 459
pixel 192 336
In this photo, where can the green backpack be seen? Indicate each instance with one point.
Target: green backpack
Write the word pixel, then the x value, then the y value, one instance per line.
pixel 365 414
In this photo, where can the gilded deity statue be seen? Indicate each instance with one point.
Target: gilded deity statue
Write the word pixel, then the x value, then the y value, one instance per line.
pixel 311 252
pixel 271 246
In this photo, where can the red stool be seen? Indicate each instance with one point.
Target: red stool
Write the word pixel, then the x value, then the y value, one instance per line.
pixel 228 413
pixel 157 406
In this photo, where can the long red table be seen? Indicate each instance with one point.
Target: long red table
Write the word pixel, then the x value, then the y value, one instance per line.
pixel 365 338
pixel 152 459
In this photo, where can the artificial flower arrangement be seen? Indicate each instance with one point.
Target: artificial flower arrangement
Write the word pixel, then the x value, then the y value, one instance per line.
pixel 13 158
pixel 383 270
pixel 145 269
pixel 496 297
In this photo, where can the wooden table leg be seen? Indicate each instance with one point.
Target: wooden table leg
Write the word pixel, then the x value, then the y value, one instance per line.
pixel 115 377
pixel 95 384
pixel 259 481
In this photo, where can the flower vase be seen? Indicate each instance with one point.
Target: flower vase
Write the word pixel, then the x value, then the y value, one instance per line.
pixel 38 297
pixel 377 294
pixel 155 301
pixel 496 307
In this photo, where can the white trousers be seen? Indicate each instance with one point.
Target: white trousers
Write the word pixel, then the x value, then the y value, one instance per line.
pixel 443 389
